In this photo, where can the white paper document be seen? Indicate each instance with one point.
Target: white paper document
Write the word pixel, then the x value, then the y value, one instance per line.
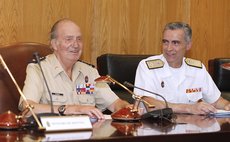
pixel 221 113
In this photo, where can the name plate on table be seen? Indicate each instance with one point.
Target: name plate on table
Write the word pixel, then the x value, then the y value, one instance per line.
pixel 67 136
pixel 66 123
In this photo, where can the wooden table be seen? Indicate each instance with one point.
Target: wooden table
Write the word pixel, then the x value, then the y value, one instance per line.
pixel 183 128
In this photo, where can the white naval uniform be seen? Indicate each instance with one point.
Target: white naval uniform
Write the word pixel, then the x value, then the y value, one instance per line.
pixel 64 90
pixel 187 84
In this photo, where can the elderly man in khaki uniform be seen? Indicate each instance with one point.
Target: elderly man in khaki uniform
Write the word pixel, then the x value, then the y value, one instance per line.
pixel 70 81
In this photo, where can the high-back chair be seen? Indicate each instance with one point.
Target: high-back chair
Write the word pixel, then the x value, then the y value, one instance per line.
pixel 16 57
pixel 121 67
pixel 220 75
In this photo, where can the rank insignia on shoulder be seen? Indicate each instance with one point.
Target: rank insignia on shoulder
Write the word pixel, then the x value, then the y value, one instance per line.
pixel 87 63
pixel 193 63
pixel 34 61
pixel 154 64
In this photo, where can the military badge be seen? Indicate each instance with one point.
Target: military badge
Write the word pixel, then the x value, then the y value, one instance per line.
pixel 193 90
pixel 82 89
pixel 154 64
pixel 193 63
pixel 86 79
pixel 162 84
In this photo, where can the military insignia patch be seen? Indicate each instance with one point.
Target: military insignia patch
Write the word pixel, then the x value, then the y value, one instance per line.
pixel 153 64
pixel 86 79
pixel 162 84
pixel 193 63
pixel 82 89
pixel 193 90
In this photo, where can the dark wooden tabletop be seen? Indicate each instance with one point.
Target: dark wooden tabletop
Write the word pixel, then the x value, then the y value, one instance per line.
pixel 181 128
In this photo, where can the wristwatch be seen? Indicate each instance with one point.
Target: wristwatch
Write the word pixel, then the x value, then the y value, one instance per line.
pixel 61 109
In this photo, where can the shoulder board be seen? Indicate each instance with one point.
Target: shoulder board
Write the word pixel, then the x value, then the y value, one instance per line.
pixel 154 64
pixel 34 61
pixel 87 63
pixel 193 63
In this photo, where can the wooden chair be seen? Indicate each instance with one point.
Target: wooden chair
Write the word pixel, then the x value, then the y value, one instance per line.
pixel 16 57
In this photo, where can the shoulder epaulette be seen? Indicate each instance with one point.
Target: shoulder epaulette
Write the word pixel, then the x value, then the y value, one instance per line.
pixel 193 62
pixel 87 63
pixel 154 64
pixel 34 61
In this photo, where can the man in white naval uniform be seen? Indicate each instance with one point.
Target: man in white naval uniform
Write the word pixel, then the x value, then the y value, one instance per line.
pixel 71 82
pixel 184 82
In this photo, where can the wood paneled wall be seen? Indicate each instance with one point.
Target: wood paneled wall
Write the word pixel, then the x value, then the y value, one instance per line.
pixel 120 26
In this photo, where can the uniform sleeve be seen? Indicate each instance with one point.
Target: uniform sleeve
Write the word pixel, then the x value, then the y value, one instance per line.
pixel 33 87
pixel 210 91
pixel 104 96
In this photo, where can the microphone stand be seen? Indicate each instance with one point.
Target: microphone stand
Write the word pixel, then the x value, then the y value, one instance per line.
pixel 28 106
pixel 135 97
pixel 131 85
pixel 124 114
pixel 37 58
pixel 160 113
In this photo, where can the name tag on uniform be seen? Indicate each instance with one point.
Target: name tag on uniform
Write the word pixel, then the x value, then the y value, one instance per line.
pixel 57 94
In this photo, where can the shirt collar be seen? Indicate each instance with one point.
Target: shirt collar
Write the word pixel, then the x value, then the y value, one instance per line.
pixel 167 72
pixel 57 68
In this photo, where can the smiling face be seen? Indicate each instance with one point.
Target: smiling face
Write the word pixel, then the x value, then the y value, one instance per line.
pixel 175 46
pixel 67 43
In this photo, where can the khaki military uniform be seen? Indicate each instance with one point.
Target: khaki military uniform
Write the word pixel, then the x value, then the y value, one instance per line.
pixel 80 90
pixel 187 84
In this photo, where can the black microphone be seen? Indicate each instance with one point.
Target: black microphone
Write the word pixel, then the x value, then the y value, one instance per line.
pixel 37 58
pixel 127 84
pixel 156 114
pixel 31 119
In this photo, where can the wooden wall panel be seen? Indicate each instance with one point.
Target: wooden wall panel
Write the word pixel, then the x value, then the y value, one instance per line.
pixel 120 26
pixel 39 16
pixel 81 11
pixel 210 22
pixel 10 21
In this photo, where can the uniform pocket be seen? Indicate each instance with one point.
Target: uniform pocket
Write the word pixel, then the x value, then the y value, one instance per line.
pixel 194 97
pixel 58 98
pixel 86 100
